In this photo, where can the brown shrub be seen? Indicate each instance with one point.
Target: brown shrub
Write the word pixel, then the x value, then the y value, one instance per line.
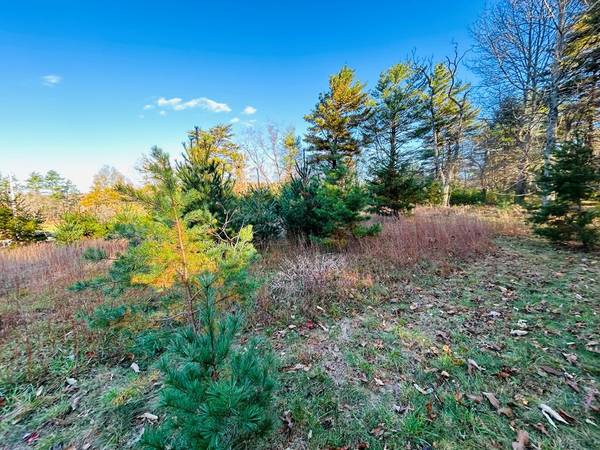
pixel 311 281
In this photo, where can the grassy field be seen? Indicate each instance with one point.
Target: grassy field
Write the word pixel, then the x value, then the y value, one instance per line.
pixel 448 351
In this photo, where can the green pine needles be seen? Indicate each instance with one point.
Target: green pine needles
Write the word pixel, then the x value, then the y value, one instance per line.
pixel 571 182
pixel 215 395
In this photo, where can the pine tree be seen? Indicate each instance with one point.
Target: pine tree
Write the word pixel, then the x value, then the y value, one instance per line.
pixel 395 188
pixel 18 222
pixel 215 396
pixel 211 164
pixel 334 136
pixel 326 209
pixel 393 183
pixel 572 179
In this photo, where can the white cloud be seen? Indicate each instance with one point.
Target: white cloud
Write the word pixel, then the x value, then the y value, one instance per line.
pixel 235 120
pixel 146 107
pixel 51 80
pixel 163 113
pixel 168 102
pixel 177 104
pixel 249 110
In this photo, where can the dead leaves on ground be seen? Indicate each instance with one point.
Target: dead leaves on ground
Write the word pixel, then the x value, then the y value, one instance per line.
pixel 522 440
pixel 505 410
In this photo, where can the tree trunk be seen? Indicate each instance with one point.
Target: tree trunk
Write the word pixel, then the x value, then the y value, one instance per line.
pixel 555 75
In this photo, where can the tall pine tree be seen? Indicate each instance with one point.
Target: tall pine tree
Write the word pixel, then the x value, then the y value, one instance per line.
pixel 334 136
pixel 393 183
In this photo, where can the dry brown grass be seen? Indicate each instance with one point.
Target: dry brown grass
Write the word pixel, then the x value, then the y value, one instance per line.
pixel 306 277
pixel 48 266
pixel 434 234
pixel 310 281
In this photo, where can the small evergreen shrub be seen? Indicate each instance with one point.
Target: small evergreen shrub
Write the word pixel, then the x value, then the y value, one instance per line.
pixel 461 195
pixel 572 181
pixel 259 207
pixel 215 395
pixel 75 226
pixel 17 222
pixel 327 210
pixel 395 190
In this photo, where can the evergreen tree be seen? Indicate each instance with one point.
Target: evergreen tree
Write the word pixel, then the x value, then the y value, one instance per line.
pixel 572 179
pixel 396 188
pixel 324 201
pixel 34 183
pixel 211 162
pixel 17 221
pixel 393 184
pixel 334 136
pixel 215 396
pixel 323 208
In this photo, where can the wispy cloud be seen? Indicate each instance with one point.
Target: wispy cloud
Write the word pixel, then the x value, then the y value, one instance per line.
pixel 178 104
pixel 147 107
pixel 235 120
pixel 51 80
pixel 249 110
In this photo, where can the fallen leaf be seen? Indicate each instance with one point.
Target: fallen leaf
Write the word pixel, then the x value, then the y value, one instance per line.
pixel 506 372
pixel 522 440
pixel 378 430
pixel 400 409
pixel 288 421
pixel 71 381
pixel 475 398
pixel 570 357
pixel 135 367
pixel 75 401
pixel 550 414
pixel 430 414
pixel 421 390
pixel 573 385
pixel 589 398
pixel 507 411
pixel 30 438
pixel 378 381
pixel 518 332
pixel 472 365
pixel 565 415
pixel 148 416
pixel 492 399
pixel 551 370
pixel 541 428
pixel 296 368
pixel 458 396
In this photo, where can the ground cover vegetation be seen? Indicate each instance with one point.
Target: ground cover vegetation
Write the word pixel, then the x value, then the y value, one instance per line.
pixel 419 270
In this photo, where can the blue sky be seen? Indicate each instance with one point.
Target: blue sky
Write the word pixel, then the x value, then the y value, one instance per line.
pixel 77 75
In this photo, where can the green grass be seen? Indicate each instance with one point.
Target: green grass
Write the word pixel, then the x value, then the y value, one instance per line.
pixel 360 389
